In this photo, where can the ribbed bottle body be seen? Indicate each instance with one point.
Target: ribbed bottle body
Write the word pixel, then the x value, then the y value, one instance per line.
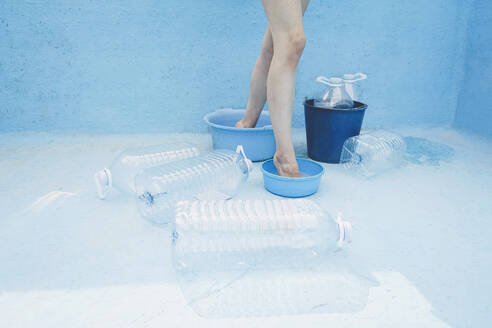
pixel 216 174
pixel 235 234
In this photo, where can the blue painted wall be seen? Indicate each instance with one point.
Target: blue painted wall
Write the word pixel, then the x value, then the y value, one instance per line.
pixel 475 98
pixel 154 65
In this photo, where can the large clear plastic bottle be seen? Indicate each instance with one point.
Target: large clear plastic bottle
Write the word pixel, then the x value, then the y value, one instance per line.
pixel 373 152
pixel 212 175
pixel 243 234
pixel 127 164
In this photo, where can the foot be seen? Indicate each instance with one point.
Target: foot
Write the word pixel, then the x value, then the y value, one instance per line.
pixel 286 165
pixel 243 124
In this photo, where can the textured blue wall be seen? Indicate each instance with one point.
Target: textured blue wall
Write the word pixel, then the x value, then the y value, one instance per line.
pixel 475 98
pixel 154 65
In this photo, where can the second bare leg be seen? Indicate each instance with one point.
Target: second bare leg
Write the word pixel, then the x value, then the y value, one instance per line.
pixel 285 20
pixel 257 91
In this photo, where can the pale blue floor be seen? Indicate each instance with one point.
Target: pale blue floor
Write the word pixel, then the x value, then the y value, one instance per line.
pixel 67 259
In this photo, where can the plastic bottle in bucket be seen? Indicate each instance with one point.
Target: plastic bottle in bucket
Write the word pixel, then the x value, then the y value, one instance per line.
pixel 341 92
pixel 335 96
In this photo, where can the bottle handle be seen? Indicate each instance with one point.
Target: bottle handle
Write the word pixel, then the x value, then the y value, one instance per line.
pixel 249 164
pixel 104 182
pixel 344 229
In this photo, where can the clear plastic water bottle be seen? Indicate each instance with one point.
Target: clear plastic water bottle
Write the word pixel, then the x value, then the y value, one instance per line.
pixel 242 234
pixel 212 175
pixel 121 173
pixel 373 152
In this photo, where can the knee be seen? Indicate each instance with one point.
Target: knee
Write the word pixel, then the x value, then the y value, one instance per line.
pixel 296 42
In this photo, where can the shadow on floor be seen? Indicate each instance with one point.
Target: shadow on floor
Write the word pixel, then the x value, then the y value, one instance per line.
pixel 74 240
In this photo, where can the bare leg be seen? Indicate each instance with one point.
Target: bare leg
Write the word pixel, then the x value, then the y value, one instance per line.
pixel 257 91
pixel 285 21
pixel 258 86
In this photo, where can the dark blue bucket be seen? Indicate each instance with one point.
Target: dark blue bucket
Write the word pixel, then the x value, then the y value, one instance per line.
pixel 328 128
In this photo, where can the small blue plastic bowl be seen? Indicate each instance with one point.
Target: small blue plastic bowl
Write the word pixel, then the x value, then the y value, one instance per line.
pixel 258 142
pixel 306 185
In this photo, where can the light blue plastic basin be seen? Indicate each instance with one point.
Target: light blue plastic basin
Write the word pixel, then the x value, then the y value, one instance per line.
pixel 258 142
pixel 306 185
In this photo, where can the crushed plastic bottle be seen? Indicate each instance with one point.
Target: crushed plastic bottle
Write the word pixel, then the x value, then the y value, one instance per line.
pixel 239 234
pixel 121 173
pixel 373 152
pixel 212 175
